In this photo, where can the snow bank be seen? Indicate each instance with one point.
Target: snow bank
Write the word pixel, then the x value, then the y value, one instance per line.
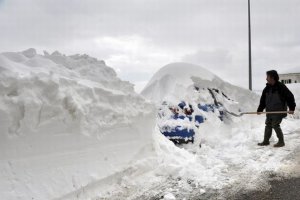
pixel 70 129
pixel 66 121
pixel 229 155
pixel 177 82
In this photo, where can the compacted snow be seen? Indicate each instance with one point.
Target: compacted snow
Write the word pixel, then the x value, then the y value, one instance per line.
pixel 70 129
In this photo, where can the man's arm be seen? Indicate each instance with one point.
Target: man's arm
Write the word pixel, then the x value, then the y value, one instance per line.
pixel 290 99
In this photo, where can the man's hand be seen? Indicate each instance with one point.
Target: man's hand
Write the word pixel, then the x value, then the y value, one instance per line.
pixel 291 112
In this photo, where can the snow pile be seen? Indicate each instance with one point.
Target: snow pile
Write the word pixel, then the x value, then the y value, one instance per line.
pixel 198 88
pixel 177 81
pixel 173 79
pixel 66 121
pixel 228 157
pixel 70 129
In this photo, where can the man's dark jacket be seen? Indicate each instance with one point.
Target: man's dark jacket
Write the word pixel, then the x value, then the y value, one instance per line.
pixel 276 98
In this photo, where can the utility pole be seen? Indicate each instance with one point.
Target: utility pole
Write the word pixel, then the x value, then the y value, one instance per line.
pixel 249 37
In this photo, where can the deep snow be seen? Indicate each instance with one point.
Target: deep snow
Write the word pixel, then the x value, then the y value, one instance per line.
pixel 66 121
pixel 70 129
pixel 229 156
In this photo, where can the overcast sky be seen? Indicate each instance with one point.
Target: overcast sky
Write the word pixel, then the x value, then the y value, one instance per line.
pixel 137 37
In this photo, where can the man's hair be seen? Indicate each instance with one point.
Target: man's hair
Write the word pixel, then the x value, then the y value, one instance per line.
pixel 273 74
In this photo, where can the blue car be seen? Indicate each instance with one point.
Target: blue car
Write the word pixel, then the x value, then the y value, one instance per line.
pixel 182 126
pixel 179 135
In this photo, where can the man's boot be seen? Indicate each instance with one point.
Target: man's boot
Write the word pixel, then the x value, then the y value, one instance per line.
pixel 279 144
pixel 267 135
pixel 263 143
pixel 279 134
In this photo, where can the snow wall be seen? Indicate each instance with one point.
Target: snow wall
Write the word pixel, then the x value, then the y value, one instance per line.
pixel 66 121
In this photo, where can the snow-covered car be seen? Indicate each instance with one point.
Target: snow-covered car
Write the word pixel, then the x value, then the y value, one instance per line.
pixel 180 123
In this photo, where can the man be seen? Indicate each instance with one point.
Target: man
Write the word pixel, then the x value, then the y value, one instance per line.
pixel 275 97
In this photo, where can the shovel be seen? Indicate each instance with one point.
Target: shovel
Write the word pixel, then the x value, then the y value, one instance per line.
pixel 256 113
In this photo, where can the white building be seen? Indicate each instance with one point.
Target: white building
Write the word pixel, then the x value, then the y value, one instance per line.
pixel 291 76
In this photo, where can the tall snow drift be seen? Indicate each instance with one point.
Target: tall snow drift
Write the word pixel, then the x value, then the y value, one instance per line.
pixel 65 121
